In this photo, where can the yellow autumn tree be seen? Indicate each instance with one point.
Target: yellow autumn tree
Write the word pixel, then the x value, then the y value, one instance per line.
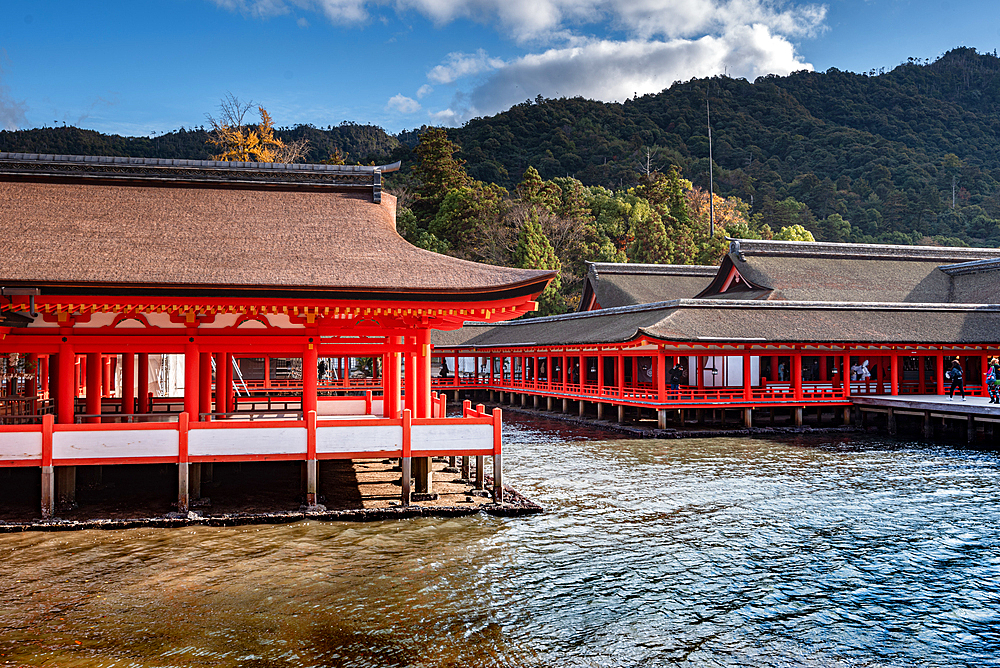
pixel 239 141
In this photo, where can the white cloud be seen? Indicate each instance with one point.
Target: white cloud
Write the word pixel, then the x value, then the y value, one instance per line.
pixel 458 65
pixel 302 23
pixel 424 91
pixel 403 104
pixel 553 20
pixel 613 71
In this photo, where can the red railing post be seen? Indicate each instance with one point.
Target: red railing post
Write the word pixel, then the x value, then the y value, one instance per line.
pixel 48 472
pixel 405 461
pixel 497 455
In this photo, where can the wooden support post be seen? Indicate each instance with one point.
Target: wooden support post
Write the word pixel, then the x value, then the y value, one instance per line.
pixel 497 456
pixel 548 404
pixel 581 406
pixel 748 417
pixel 600 410
pixel 183 477
pixel 847 411
pixel 891 422
pixel 480 472
pixel 406 461
pixel 970 430
pixel 423 474
pixel 534 400
pixel 66 484
pixel 48 473
pixel 465 467
pixel 565 405
pixel 661 418
pixel 928 426
pixel 621 413
pixel 798 415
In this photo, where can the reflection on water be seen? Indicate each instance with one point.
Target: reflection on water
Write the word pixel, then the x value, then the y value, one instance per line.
pixel 719 552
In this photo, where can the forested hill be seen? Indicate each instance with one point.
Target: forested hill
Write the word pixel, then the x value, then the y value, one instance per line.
pixel 883 150
pixel 898 156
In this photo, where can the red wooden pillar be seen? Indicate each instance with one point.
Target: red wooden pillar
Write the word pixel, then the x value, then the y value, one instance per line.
pixel 310 360
pixel 822 369
pixel 620 374
pixel 922 374
pixel 43 375
pixel 106 385
pixel 227 387
pixel 661 375
pixel 699 376
pixel 128 383
pixel 31 389
pixel 846 375
pixel 66 384
pixel 600 374
pixel 983 366
pixel 796 360
pixel 220 383
pixel 205 385
pixel 747 378
pixel 95 372
pixel 939 375
pixel 894 373
pixel 79 371
pixel 143 383
pixel 424 373
pixel 267 371
pixel 774 369
pixel 393 384
pixel 192 380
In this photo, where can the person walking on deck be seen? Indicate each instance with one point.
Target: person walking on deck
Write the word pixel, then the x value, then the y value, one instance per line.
pixel 993 380
pixel 955 375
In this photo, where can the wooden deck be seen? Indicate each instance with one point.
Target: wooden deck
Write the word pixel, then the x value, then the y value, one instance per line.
pixel 934 409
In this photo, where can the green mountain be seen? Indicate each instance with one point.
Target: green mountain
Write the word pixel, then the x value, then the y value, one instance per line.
pixel 895 156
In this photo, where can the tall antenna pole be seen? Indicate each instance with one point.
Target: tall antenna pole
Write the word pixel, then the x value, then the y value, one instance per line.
pixel 711 173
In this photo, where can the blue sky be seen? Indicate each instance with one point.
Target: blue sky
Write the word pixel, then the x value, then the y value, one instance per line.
pixel 137 67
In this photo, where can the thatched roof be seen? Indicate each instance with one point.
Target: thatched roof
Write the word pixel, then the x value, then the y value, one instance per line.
pixel 315 231
pixel 733 321
pixel 609 284
pixel 800 271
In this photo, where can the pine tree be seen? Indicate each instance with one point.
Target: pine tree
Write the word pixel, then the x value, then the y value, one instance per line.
pixel 650 243
pixel 438 172
pixel 534 251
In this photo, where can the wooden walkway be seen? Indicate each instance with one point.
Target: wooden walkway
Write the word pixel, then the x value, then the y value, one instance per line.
pixel 934 409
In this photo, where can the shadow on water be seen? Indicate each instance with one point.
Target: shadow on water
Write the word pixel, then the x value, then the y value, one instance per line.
pixel 809 551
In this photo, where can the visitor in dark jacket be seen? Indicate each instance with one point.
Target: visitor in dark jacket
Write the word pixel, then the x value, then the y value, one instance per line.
pixel 955 375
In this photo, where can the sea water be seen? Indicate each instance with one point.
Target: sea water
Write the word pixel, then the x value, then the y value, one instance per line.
pixel 826 551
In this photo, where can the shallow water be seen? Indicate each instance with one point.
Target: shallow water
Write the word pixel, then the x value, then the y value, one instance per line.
pixel 702 552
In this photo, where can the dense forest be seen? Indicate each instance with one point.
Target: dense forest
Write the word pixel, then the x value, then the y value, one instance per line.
pixel 910 155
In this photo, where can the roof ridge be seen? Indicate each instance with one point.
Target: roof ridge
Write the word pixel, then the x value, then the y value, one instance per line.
pixel 662 269
pixel 971 267
pixel 949 254
pixel 232 166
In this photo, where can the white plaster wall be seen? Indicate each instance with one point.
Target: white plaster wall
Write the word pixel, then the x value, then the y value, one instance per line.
pixel 452 437
pixel 251 441
pixel 111 444
pixel 388 438
pixel 18 445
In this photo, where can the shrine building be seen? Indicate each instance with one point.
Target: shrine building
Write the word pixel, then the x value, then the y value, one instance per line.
pixel 109 263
